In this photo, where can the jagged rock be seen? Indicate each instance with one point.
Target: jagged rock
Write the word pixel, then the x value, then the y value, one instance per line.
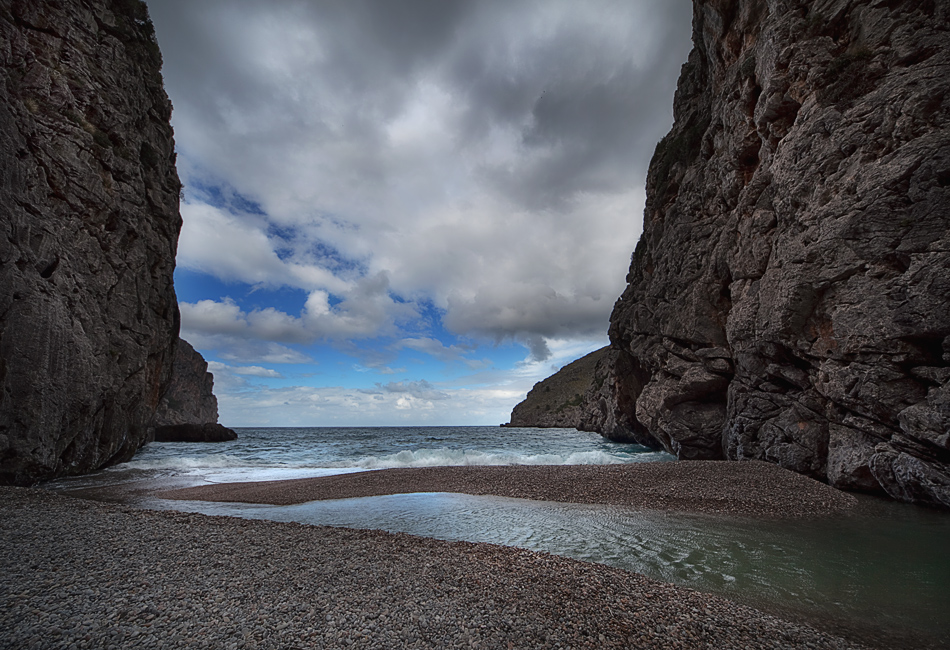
pixel 188 412
pixel 789 299
pixel 189 432
pixel 190 396
pixel 556 401
pixel 89 196
pixel 586 395
pixel 609 406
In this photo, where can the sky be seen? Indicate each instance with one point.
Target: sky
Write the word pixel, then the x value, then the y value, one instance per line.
pixel 408 212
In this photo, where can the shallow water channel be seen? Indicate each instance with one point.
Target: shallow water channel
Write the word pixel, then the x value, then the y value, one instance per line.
pixel 881 574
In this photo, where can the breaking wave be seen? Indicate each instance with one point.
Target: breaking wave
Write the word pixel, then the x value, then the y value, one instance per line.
pixel 454 457
pixel 406 458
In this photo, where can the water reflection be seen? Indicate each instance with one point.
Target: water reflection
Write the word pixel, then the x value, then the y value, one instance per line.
pixel 881 574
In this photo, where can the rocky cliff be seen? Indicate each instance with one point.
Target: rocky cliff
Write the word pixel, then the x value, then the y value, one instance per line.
pixel 556 401
pixel 89 194
pixel 586 394
pixel 188 411
pixel 190 398
pixel 789 299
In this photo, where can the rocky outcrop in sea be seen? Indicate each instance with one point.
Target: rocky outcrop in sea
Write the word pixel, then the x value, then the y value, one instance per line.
pixel 89 193
pixel 188 412
pixel 789 299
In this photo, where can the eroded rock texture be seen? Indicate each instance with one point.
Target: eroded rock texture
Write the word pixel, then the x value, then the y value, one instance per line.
pixel 609 406
pixel 790 297
pixel 595 393
pixel 190 398
pixel 188 411
pixel 89 200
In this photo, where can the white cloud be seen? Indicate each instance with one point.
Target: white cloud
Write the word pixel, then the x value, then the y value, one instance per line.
pixel 251 371
pixel 420 390
pixel 442 352
pixel 368 311
pixel 486 157
pixel 337 406
pixel 212 317
pixel 244 350
pixel 236 247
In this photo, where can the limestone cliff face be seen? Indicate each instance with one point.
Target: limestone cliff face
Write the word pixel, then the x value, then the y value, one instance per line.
pixel 609 406
pixel 790 297
pixel 89 199
pixel 190 398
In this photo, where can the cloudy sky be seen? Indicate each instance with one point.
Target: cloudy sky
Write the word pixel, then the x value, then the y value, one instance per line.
pixel 408 212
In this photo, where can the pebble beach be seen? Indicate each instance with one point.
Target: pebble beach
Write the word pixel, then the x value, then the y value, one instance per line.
pixel 749 488
pixel 84 574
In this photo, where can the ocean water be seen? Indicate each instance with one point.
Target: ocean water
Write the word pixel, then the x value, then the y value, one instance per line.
pixel 270 454
pixel 881 574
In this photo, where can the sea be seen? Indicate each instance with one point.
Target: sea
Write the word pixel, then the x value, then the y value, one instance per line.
pixel 880 574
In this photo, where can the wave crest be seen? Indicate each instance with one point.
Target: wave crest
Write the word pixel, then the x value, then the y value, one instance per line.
pixel 457 457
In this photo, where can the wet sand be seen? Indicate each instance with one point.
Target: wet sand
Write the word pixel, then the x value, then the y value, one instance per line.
pixel 750 488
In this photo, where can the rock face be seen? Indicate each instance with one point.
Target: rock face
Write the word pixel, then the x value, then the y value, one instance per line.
pixel 789 299
pixel 609 406
pixel 584 395
pixel 89 196
pixel 188 412
pixel 206 432
pixel 190 398
pixel 556 401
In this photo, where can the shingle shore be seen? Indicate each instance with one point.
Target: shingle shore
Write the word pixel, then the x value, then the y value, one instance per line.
pixel 83 574
pixel 751 488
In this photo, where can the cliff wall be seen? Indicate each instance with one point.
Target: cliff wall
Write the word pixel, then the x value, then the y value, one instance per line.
pixel 789 299
pixel 190 398
pixel 587 394
pixel 188 411
pixel 556 401
pixel 89 194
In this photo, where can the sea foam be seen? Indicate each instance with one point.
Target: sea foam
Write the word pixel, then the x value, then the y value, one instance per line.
pixel 456 457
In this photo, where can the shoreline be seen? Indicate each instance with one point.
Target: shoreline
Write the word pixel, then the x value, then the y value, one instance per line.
pixel 101 574
pixel 748 488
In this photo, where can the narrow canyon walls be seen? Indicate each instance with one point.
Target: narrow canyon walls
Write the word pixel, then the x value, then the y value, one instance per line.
pixel 89 198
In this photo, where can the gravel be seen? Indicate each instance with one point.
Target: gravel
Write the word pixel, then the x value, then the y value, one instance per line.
pixel 83 574
pixel 750 488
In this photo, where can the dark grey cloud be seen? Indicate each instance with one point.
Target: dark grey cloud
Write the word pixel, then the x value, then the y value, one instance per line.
pixel 487 157
pixel 594 104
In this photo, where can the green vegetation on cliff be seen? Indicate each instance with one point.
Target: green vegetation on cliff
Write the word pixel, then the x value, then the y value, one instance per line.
pixel 557 401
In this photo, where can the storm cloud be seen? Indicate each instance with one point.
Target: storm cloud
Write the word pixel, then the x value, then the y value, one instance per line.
pixel 408 211
pixel 486 158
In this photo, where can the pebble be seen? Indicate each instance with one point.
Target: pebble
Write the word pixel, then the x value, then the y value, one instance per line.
pixel 746 488
pixel 288 585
